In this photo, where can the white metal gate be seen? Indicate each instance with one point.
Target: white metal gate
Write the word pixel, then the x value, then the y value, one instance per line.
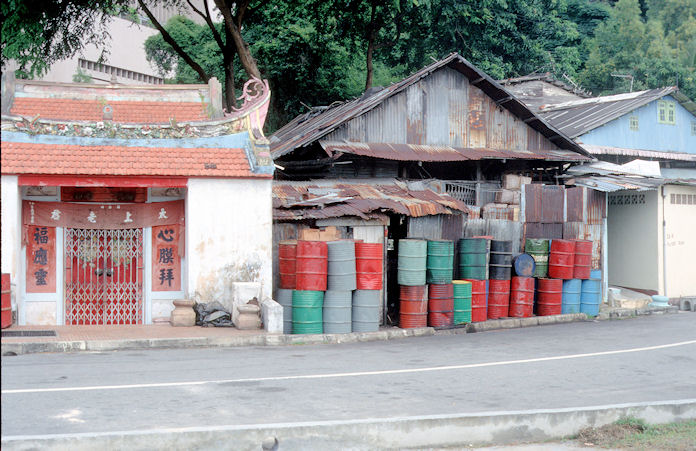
pixel 103 276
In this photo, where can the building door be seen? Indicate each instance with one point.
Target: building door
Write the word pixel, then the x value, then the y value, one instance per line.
pixel 103 276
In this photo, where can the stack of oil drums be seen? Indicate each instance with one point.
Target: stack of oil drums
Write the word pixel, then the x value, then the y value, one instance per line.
pixel 500 272
pixel 461 292
pixel 439 273
pixel 591 293
pixel 473 268
pixel 411 276
pixel 330 287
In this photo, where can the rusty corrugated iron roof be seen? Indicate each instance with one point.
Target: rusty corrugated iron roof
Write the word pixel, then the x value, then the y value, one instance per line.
pixel 310 127
pixel 332 199
pixel 575 118
pixel 418 152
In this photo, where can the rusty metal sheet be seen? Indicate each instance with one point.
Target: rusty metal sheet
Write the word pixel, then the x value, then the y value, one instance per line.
pixel 416 152
pixel 300 200
pixel 542 230
pixel 532 199
pixel 596 206
pixel 575 204
pixel 552 200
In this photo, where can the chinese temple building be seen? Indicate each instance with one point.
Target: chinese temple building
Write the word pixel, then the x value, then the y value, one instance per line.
pixel 118 200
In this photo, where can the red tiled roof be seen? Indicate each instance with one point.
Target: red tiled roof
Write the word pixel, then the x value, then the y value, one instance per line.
pixel 36 158
pixel 123 111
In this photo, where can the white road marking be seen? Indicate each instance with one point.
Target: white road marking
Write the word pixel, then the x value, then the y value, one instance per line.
pixel 353 374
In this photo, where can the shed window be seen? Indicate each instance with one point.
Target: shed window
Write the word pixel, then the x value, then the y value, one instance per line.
pixel 633 123
pixel 666 112
pixel 693 128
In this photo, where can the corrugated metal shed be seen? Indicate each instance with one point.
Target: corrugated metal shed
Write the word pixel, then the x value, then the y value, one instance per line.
pixel 638 153
pixel 310 127
pixel 577 117
pixel 332 199
pixel 416 152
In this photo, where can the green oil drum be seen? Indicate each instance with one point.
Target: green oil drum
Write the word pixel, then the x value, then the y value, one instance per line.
pixel 440 261
pixel 462 301
pixel 412 259
pixel 473 258
pixel 538 248
pixel 307 315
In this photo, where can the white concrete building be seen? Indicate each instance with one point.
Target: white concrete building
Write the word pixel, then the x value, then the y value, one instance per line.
pixel 121 199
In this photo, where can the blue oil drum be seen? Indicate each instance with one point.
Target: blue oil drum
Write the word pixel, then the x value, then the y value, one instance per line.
pixel 591 293
pixel 570 299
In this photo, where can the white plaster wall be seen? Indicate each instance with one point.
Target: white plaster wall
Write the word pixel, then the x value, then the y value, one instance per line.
pixel 228 236
pixel 680 249
pixel 634 246
pixel 11 232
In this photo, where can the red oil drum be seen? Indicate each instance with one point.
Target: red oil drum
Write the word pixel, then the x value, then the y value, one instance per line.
pixel 583 259
pixel 479 310
pixel 368 265
pixel 498 298
pixel 440 305
pixel 521 297
pixel 561 259
pixel 413 306
pixel 287 252
pixel 311 265
pixel 6 318
pixel 549 297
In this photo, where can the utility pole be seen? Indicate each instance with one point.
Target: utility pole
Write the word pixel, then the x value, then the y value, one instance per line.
pixel 625 76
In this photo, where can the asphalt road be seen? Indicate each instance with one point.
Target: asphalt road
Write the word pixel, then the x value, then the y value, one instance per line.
pixel 560 366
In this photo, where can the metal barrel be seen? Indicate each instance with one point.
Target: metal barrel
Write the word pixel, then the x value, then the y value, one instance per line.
pixel 538 248
pixel 368 265
pixel 549 297
pixel 284 298
pixel 312 266
pixel 412 261
pixel 473 258
pixel 337 312
pixel 6 315
pixel 524 265
pixel 307 315
pixel 479 306
pixel 413 306
pixel 365 316
pixel 500 266
pixel 570 300
pixel 462 301
pixel 341 273
pixel 287 252
pixel 582 263
pixel 591 293
pixel 440 261
pixel 498 298
pixel 440 305
pixel 521 297
pixel 561 259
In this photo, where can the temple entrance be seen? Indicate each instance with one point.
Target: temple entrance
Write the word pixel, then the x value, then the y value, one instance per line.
pixel 103 276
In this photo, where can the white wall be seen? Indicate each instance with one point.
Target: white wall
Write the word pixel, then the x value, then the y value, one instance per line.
pixel 634 250
pixel 11 232
pixel 228 236
pixel 680 235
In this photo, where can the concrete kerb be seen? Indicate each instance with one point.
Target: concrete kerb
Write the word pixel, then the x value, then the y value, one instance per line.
pixel 280 339
pixel 438 431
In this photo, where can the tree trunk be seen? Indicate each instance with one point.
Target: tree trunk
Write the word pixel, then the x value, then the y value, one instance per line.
pixel 229 53
pixel 371 37
pixel 242 48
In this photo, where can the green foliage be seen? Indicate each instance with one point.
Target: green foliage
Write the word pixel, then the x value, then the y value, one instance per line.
pixel 81 77
pixel 36 33
pixel 659 51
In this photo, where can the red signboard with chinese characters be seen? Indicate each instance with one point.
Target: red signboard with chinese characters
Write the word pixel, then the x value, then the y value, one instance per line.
pixel 166 263
pixel 41 259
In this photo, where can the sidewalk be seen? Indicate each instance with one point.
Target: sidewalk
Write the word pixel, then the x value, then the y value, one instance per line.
pixel 129 337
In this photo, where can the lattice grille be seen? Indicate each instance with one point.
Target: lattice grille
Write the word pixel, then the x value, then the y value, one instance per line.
pixel 103 276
